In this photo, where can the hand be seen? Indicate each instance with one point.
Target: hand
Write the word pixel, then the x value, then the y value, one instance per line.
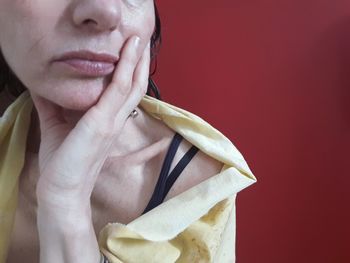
pixel 70 158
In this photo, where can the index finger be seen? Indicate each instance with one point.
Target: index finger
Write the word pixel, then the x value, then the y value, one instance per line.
pixel 117 91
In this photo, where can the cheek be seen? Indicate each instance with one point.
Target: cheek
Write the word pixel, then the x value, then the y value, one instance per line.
pixel 140 22
pixel 150 24
pixel 29 37
pixel 24 35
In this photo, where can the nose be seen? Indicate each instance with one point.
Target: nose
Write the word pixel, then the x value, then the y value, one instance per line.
pixel 97 15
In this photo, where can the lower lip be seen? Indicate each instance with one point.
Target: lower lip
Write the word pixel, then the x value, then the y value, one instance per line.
pixel 88 67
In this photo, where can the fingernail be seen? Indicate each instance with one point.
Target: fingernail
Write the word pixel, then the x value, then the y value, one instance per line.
pixel 136 41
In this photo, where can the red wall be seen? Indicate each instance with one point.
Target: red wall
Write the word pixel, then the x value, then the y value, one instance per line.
pixel 274 77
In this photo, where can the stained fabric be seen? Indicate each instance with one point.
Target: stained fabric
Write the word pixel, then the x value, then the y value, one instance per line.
pixel 196 226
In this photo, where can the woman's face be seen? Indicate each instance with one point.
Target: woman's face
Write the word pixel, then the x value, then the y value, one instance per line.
pixel 33 33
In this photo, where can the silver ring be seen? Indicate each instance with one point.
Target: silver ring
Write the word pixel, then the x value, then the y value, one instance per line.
pixel 134 114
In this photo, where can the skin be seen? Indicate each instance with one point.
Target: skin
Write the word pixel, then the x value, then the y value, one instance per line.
pixel 72 111
pixel 33 33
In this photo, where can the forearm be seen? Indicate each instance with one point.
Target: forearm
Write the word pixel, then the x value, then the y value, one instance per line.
pixel 66 237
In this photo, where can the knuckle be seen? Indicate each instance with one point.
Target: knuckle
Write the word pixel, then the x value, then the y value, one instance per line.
pixel 104 131
pixel 123 84
pixel 130 60
pixel 141 87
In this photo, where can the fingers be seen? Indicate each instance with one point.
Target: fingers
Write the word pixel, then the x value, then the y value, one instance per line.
pixel 107 118
pixel 139 85
pixel 116 93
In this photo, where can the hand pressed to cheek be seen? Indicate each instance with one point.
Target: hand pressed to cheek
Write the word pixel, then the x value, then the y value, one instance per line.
pixel 130 76
pixel 33 32
pixel 71 164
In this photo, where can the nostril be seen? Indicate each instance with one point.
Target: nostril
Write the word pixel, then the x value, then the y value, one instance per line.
pixel 96 24
pixel 89 21
pixel 113 28
pixel 97 17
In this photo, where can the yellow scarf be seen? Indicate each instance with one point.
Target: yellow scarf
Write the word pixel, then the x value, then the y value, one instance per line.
pixel 195 226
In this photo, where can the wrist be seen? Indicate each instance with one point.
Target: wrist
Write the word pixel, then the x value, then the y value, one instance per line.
pixel 66 238
pixel 64 218
pixel 61 201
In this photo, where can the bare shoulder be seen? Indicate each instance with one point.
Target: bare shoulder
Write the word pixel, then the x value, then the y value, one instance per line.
pixel 201 168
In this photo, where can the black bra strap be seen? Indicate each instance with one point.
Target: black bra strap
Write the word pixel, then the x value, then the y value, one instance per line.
pixel 158 194
pixel 179 168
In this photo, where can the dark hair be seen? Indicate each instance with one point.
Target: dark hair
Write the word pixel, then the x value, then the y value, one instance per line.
pixel 15 86
pixel 156 41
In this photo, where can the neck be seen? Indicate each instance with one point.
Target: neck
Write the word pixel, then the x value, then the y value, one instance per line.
pixel 137 134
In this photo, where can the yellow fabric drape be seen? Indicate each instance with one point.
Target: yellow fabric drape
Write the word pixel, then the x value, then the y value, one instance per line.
pixel 14 125
pixel 195 226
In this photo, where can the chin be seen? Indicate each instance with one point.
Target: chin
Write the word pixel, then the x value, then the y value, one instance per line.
pixel 76 95
pixel 77 102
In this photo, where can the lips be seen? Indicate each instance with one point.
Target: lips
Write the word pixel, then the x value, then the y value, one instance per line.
pixel 88 63
pixel 88 55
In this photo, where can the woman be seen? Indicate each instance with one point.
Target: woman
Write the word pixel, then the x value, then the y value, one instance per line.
pixel 83 146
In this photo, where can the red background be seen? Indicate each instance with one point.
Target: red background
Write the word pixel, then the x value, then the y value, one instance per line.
pixel 274 77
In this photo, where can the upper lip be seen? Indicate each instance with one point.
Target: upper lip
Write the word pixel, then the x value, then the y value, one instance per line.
pixel 89 55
